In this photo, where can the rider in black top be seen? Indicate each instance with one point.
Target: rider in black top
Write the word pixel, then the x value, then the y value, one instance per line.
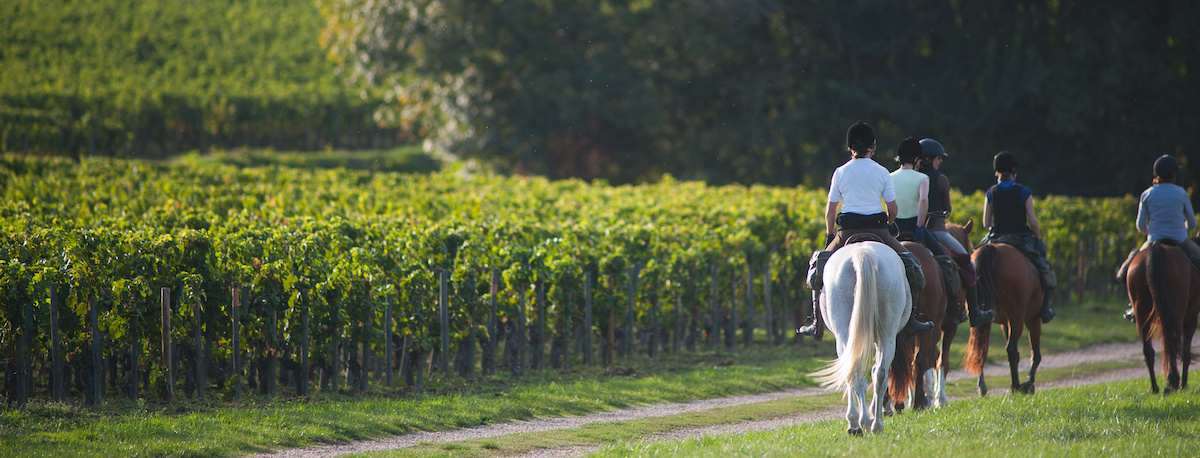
pixel 1009 216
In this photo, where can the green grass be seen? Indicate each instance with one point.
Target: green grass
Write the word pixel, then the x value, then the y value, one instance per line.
pixel 596 434
pixel 1115 419
pixel 122 427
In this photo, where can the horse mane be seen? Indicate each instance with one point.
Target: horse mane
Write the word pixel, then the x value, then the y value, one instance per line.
pixel 985 266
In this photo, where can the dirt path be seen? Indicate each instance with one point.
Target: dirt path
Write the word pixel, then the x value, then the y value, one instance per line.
pixel 1096 354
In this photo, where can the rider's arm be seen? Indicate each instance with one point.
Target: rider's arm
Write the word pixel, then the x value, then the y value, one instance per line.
pixel 892 209
pixel 922 202
pixel 831 210
pixel 944 188
pixel 1029 215
pixel 1143 218
pixel 987 213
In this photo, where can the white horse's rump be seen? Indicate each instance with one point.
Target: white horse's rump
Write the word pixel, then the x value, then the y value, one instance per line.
pixel 865 302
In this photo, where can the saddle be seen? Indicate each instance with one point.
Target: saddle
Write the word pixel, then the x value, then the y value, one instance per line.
pixel 863 237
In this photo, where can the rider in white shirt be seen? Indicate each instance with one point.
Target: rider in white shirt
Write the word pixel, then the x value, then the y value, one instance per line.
pixel 864 191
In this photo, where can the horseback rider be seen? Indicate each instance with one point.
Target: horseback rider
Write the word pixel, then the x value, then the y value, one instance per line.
pixel 912 200
pixel 932 156
pixel 1008 214
pixel 859 186
pixel 1164 213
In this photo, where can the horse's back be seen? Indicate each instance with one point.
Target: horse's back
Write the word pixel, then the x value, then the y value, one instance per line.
pixel 1017 286
pixel 1184 288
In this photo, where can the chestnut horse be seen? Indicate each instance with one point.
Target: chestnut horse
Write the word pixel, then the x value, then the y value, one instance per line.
pixel 932 303
pixel 1164 289
pixel 1009 283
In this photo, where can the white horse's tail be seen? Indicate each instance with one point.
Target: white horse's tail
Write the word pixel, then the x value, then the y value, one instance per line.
pixel 863 326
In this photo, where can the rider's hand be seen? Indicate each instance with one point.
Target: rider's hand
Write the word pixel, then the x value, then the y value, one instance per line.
pixel 828 239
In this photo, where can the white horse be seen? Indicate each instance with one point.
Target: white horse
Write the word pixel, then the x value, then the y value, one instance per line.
pixel 865 302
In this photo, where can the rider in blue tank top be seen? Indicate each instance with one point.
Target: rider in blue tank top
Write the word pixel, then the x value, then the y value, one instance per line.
pixel 1008 214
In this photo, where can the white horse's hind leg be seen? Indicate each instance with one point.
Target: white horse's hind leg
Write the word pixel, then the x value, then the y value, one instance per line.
pixel 879 374
pixel 855 410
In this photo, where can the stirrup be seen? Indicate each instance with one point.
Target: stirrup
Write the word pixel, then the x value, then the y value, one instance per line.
pixel 1129 314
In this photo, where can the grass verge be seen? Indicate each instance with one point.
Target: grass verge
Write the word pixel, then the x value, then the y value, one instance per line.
pixel 216 428
pixel 1111 419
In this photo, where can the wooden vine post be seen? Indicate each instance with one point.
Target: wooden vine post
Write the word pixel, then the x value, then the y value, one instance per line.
pixel 58 388
pixel 493 323
pixel 748 331
pixel 539 333
pixel 135 349
pixel 167 360
pixel 712 301
pixel 589 278
pixel 236 370
pixel 444 314
pixel 25 364
pixel 304 363
pixel 96 391
pixel 201 377
pixel 770 321
pixel 389 354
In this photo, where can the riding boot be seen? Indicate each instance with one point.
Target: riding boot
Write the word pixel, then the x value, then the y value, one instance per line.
pixel 813 328
pixel 916 283
pixel 979 314
pixel 816 270
pixel 1124 269
pixel 1047 312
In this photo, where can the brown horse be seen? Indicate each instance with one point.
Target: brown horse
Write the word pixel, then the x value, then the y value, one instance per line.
pixel 1009 283
pixel 932 303
pixel 1164 289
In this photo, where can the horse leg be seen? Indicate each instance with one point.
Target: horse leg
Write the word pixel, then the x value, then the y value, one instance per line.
pixel 1035 347
pixel 883 362
pixel 1014 354
pixel 940 398
pixel 1189 330
pixel 1148 352
pixel 855 391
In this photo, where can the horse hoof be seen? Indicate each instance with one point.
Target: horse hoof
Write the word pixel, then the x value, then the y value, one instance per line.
pixel 1168 390
pixel 856 432
pixel 1026 388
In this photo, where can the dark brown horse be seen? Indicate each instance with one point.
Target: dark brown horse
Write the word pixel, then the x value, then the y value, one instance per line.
pixel 932 303
pixel 1165 293
pixel 1009 283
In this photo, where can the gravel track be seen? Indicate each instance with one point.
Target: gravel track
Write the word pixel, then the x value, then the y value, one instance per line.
pixel 1095 354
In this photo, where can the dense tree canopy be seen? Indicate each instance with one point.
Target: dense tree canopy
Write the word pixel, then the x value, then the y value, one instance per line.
pixel 1085 93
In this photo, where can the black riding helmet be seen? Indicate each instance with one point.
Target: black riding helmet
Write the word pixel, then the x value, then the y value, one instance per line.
pixel 908 151
pixel 1165 166
pixel 1005 162
pixel 860 136
pixel 931 147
